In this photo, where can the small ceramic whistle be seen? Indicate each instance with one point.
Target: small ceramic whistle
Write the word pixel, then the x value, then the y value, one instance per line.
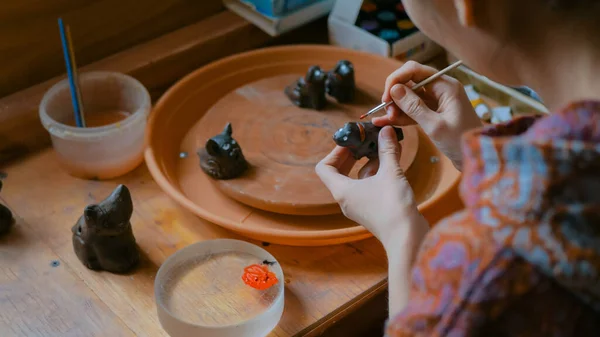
pixel 361 138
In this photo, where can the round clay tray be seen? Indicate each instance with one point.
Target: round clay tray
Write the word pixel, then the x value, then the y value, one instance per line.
pixel 283 143
pixel 177 124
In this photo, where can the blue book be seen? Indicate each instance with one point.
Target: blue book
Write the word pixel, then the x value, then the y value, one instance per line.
pixel 275 8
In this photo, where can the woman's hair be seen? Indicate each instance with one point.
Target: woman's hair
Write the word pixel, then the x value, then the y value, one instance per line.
pixel 529 20
pixel 584 14
pixel 572 4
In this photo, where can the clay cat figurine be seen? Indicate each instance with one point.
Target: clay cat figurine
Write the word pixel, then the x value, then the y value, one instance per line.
pixel 309 91
pixel 222 157
pixel 361 138
pixel 6 217
pixel 340 82
pixel 103 238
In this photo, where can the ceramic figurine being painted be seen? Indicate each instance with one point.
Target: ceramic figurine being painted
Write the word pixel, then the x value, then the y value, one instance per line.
pixel 6 217
pixel 340 82
pixel 222 156
pixel 361 138
pixel 103 238
pixel 309 91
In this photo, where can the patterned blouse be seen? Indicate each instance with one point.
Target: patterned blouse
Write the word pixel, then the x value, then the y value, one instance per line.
pixel 523 258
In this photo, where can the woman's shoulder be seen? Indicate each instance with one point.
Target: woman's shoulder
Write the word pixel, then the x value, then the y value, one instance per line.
pixel 572 129
pixel 578 121
pixel 517 181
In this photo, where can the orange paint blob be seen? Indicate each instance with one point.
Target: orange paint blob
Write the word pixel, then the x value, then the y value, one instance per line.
pixel 259 277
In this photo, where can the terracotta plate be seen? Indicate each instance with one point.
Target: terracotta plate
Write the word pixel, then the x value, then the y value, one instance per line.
pixel 283 143
pixel 180 109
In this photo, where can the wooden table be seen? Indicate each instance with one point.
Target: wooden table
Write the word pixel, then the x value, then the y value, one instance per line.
pixel 46 291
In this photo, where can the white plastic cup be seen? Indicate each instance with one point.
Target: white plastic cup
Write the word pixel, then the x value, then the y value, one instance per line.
pixel 183 268
pixel 102 152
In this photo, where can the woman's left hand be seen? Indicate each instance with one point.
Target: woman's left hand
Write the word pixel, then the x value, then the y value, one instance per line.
pixel 381 199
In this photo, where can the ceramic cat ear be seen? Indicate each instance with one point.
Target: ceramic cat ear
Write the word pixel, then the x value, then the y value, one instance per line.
pixel 121 197
pixel 212 147
pixel 315 73
pixel 228 130
pixel 92 214
pixel 344 63
pixel 120 192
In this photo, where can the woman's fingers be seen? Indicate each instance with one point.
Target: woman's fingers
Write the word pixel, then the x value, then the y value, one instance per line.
pixel 389 156
pixel 369 169
pixel 412 105
pixel 389 152
pixel 409 71
pixel 393 118
pixel 408 75
pixel 331 168
pixel 347 166
pixel 412 73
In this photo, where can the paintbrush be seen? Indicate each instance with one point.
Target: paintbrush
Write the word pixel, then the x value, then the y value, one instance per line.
pixel 69 56
pixel 416 87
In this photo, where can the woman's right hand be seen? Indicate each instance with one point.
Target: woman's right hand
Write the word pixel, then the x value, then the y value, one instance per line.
pixel 442 109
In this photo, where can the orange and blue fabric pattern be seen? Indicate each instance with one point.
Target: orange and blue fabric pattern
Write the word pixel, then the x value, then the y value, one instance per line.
pixel 523 258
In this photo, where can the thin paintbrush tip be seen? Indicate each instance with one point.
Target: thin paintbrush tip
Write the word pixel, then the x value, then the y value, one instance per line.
pixel 375 109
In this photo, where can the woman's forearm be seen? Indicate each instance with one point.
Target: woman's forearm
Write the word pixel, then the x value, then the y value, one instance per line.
pixel 402 248
pixel 398 280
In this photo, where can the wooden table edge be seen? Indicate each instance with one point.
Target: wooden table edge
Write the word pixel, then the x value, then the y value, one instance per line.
pixel 351 307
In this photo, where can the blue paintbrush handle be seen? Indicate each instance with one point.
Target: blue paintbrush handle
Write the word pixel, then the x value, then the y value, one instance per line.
pixel 69 65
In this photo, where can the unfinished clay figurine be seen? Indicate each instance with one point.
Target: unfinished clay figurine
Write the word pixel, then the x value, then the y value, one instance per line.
pixel 340 82
pixel 103 238
pixel 361 138
pixel 309 91
pixel 222 157
pixel 6 217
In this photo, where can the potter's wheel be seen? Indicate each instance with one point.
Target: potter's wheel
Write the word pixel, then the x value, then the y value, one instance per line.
pixel 283 143
pixel 174 126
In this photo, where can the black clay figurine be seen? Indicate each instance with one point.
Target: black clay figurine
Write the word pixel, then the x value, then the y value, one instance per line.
pixel 361 138
pixel 309 91
pixel 222 157
pixel 103 238
pixel 340 82
pixel 6 217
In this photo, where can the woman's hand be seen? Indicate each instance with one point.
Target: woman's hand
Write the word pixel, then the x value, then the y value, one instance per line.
pixel 381 199
pixel 442 109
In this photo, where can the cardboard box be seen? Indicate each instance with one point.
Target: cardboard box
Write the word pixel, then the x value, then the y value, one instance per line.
pixel 275 8
pixel 275 26
pixel 343 32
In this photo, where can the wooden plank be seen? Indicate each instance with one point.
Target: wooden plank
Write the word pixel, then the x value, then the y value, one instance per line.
pixel 321 282
pixel 368 320
pixel 39 295
pixel 30 44
pixel 157 64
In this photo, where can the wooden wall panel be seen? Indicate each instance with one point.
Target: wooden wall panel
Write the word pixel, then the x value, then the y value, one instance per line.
pixel 156 63
pixel 30 49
